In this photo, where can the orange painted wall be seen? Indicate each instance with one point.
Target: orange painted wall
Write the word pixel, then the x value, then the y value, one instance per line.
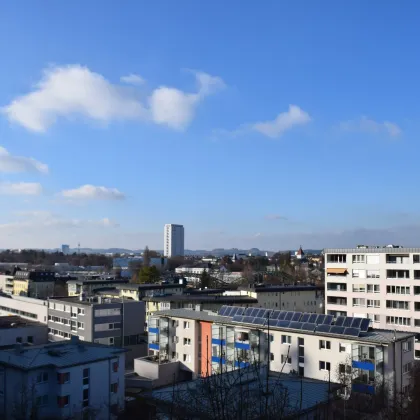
pixel 205 348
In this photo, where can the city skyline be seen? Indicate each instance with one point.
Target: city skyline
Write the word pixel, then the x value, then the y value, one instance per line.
pixel 295 126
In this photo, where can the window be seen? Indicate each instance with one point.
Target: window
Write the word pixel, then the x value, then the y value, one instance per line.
pixel 342 347
pixel 86 397
pixel 374 317
pixel 186 325
pixel 372 274
pixel 372 259
pixel 398 304
pixel 63 401
pixel 324 344
pixel 417 306
pixel 187 341
pixel 286 359
pixel 417 354
pixel 417 290
pixel 358 259
pixel 373 303
pixel 271 356
pixel 359 302
pixel 286 339
pixel 63 378
pixel 107 312
pixel 416 274
pixel 398 274
pixel 115 366
pixel 417 322
pixel 114 388
pixel 80 311
pixel 416 259
pixel 373 288
pixel 42 377
pixel 359 288
pixel 344 368
pixel 86 373
pixel 187 358
pixel 324 366
pixel 406 345
pixel 81 325
pixel 398 290
pixel 73 313
pixel 336 258
pixel 407 367
pixel 42 400
pixel 398 320
pixel 301 341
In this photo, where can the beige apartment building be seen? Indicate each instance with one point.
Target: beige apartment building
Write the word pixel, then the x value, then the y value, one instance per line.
pixel 381 283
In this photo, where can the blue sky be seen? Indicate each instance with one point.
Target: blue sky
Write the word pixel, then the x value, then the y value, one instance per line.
pixel 263 125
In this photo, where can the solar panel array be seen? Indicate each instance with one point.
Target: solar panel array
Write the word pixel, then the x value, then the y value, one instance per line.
pixel 343 325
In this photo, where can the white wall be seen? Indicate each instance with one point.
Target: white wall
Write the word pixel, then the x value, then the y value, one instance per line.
pixel 28 308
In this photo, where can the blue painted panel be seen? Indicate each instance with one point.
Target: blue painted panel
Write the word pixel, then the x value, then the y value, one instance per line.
pixel 243 346
pixel 216 359
pixel 154 330
pixel 363 388
pixel 153 346
pixel 218 341
pixel 363 365
pixel 241 364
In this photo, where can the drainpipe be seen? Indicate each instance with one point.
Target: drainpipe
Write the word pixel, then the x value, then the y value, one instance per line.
pixel 109 389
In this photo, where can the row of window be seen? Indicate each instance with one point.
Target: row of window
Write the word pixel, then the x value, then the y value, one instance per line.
pixel 373 259
pixel 19 312
pixel 108 326
pixel 74 325
pixel 66 308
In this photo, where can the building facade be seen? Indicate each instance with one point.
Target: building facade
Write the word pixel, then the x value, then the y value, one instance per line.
pixel 381 283
pixel 77 287
pixel 25 307
pixel 64 380
pixel 16 330
pixel 114 322
pixel 173 243
pixel 205 344
pixel 6 283
pixel 34 283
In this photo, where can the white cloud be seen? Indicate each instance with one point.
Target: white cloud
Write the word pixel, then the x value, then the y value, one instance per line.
pixel 275 217
pixel 283 122
pixel 20 188
pixel 74 90
pixel 368 125
pixel 92 192
pixel 13 164
pixel 133 79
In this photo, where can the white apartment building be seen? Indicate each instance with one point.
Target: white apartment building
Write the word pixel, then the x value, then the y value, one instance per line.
pixel 63 380
pixel 306 344
pixel 25 307
pixel 173 243
pixel 381 283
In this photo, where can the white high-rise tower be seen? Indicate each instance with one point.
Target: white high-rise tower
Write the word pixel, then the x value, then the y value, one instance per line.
pixel 173 245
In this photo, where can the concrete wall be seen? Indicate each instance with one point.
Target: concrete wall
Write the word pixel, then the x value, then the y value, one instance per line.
pixel 38 335
pixel 160 374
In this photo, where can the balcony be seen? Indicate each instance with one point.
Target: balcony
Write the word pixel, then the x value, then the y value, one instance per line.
pixel 243 345
pixel 216 359
pixel 218 342
pixel 336 287
pixel 336 301
pixel 154 330
pixel 154 346
pixel 363 388
pixel 366 364
pixel 398 259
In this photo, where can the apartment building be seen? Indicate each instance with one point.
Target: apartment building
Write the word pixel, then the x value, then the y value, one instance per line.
pixel 16 330
pixel 90 286
pixel 309 345
pixel 64 380
pixel 34 283
pixel 289 297
pixel 173 241
pixel 6 283
pixel 139 291
pixel 381 283
pixel 25 307
pixel 114 322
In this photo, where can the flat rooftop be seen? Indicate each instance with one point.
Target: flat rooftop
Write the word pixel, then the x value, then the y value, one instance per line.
pixel 62 354
pixel 89 301
pixel 375 336
pixel 285 288
pixel 14 321
pixel 371 250
pixel 202 298
pixel 152 286
pixel 97 281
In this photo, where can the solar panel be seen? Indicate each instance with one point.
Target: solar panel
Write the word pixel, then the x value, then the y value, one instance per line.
pixel 260 313
pixel 335 329
pixel 248 319
pixel 268 313
pixel 365 324
pixel 312 318
pixel 356 322
pixel 275 314
pixel 273 322
pixel 296 316
pixel 283 324
pixel 340 321
pixel 328 319
pixel 296 325
pixel 233 311
pixel 240 311
pixel 289 316
pixel 238 318
pixel 259 321
pixel 254 312
pixel 248 311
pixel 305 317
pixel 323 328
pixel 222 310
pixel 282 315
pixel 354 332
pixel 320 319
pixel 348 321
pixel 308 326
pixel 229 310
